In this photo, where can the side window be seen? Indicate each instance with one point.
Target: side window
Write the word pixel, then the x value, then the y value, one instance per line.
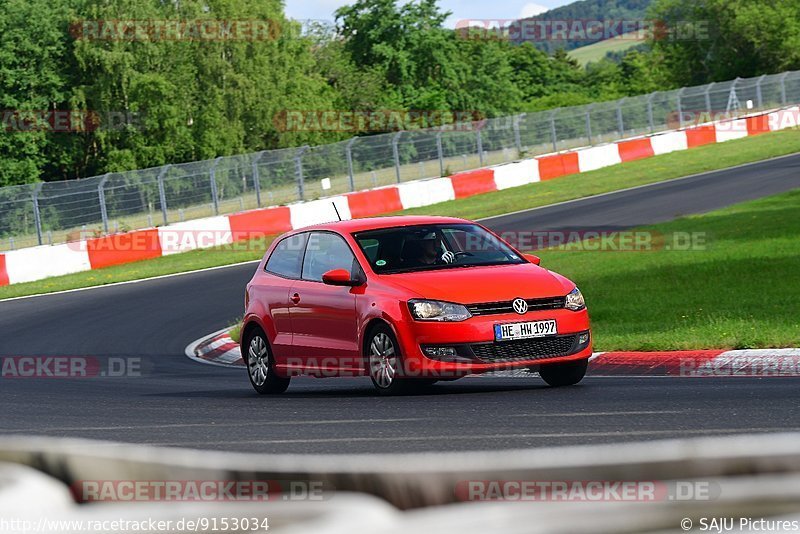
pixel 287 257
pixel 325 252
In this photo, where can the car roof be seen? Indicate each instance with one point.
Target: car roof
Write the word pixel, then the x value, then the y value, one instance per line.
pixel 377 223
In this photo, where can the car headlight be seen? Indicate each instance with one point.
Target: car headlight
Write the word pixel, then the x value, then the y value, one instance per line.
pixel 434 310
pixel 575 300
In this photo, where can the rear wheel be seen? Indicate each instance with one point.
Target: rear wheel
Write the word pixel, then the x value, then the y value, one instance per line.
pixel 261 365
pixel 385 363
pixel 564 374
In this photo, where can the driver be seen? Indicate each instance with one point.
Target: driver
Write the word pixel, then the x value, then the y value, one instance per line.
pixel 429 251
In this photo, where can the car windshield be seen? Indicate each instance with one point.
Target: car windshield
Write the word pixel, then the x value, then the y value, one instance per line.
pixel 430 247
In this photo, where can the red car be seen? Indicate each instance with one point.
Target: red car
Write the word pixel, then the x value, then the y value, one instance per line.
pixel 408 301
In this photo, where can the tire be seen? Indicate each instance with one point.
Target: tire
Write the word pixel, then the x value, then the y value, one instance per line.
pixel 385 363
pixel 564 374
pixel 260 364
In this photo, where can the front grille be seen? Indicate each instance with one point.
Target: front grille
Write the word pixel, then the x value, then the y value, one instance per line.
pixel 496 308
pixel 525 349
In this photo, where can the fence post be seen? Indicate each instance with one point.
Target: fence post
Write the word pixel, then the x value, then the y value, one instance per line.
pixel 101 196
pixel 212 174
pixel 517 133
pixel 396 153
pixel 733 98
pixel 162 195
pixel 298 168
pixel 350 171
pixel 620 122
pixel 783 88
pixel 440 152
pixel 37 217
pixel 759 98
pixel 707 94
pixel 257 178
pixel 650 119
pixel 479 141
pixel 680 107
pixel 589 122
pixel 553 129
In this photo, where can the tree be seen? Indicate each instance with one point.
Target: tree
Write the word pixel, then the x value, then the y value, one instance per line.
pixel 33 78
pixel 716 40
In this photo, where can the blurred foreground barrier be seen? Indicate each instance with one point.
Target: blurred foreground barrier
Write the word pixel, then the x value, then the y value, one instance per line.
pixel 631 487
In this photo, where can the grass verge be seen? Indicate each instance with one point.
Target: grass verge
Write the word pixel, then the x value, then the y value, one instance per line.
pixel 739 291
pixel 668 166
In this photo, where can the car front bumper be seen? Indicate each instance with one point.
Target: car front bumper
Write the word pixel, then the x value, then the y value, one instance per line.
pixel 469 347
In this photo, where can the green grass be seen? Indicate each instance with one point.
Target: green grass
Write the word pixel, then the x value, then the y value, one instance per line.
pixel 641 172
pixel 740 292
pixel 236 331
pixel 597 51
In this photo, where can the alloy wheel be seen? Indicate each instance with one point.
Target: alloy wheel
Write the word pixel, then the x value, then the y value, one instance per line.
pixel 382 360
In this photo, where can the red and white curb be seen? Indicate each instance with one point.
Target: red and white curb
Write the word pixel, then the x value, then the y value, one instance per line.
pixel 36 263
pixel 699 363
pixel 219 349
pixel 216 349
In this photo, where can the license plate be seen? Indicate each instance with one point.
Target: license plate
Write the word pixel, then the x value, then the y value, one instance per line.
pixel 533 329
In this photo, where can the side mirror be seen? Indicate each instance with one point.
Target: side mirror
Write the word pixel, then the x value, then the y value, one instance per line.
pixel 536 260
pixel 339 277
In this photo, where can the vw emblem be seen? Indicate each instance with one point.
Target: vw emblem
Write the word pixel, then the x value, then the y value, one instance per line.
pixel 520 306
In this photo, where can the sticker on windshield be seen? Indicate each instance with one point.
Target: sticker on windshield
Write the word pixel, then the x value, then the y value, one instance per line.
pixel 380 263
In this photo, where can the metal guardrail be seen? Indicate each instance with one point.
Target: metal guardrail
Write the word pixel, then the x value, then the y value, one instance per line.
pixel 57 212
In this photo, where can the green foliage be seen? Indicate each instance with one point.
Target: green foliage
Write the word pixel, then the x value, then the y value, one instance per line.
pixel 719 40
pixel 186 100
pixel 33 62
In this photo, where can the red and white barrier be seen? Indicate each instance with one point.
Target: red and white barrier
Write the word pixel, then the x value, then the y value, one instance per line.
pixel 516 174
pixel 36 263
pixel 597 157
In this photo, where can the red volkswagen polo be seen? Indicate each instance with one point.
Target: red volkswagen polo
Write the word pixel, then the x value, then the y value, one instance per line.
pixel 408 301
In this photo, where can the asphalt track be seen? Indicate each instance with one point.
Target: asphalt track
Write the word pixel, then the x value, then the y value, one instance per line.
pixel 179 402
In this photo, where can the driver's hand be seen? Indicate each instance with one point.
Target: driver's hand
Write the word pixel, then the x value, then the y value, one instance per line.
pixel 448 257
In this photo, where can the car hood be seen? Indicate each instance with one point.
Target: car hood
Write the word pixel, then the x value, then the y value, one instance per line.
pixel 473 285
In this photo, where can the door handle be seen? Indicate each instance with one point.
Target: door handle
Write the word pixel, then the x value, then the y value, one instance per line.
pixel 295 298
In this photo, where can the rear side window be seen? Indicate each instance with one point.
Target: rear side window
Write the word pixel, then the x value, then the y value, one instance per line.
pixel 287 258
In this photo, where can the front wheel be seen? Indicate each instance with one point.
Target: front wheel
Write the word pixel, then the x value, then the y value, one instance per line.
pixel 260 365
pixel 385 362
pixel 564 374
